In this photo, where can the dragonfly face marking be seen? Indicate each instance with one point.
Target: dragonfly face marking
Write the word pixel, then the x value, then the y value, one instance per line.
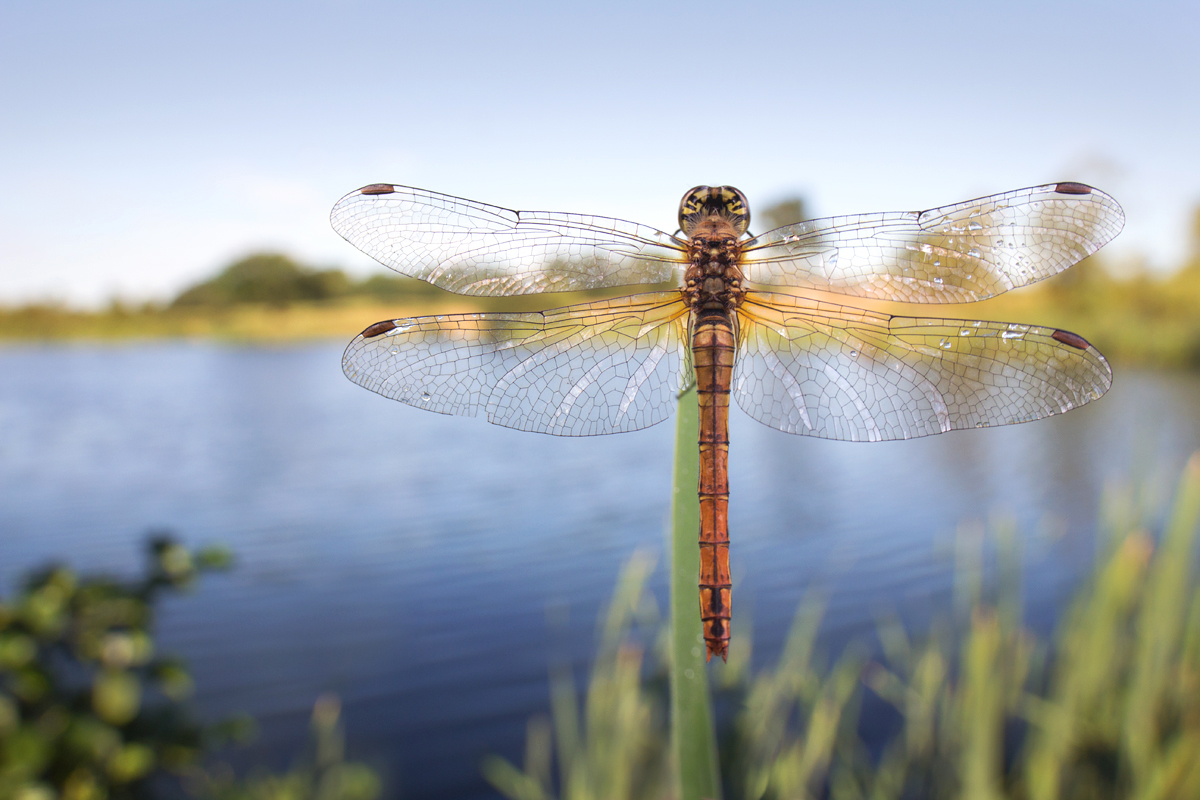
pixel 702 202
pixel 793 362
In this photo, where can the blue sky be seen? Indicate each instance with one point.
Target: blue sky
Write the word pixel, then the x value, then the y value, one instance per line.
pixel 146 144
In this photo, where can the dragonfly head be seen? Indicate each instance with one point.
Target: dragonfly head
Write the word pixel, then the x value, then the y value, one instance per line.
pixel 703 202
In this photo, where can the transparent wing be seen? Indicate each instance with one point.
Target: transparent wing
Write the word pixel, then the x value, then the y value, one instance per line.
pixel 477 249
pixel 954 254
pixel 837 372
pixel 604 367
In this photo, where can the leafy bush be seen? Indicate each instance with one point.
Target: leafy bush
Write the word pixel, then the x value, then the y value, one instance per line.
pixel 268 278
pixel 89 710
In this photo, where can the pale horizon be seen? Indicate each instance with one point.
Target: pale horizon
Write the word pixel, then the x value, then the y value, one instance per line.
pixel 146 146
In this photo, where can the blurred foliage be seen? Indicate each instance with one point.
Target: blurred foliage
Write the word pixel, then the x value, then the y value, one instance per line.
pixel 788 211
pixel 616 748
pixel 1108 710
pixel 1131 314
pixel 275 280
pixel 321 775
pixel 90 710
pixel 268 278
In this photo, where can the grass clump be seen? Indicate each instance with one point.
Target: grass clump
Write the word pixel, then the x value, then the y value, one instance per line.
pixel 1108 709
pixel 614 748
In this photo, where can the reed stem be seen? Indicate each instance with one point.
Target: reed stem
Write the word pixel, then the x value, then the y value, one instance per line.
pixel 694 743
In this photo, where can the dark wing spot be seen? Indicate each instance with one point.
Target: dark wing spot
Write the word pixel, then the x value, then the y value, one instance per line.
pixel 1073 188
pixel 387 325
pixel 1072 339
pixel 377 188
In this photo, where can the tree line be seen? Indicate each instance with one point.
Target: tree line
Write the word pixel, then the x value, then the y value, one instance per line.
pixel 274 279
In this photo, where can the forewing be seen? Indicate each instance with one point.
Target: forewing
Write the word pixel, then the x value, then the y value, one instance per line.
pixel 604 367
pixel 954 254
pixel 836 372
pixel 476 249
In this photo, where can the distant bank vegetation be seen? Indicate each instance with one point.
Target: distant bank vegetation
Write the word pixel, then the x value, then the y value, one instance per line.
pixel 1132 315
pixel 263 297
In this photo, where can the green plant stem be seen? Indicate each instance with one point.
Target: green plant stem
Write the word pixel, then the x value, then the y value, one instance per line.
pixel 691 710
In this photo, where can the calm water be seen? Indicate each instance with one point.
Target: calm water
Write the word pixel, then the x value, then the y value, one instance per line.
pixel 406 560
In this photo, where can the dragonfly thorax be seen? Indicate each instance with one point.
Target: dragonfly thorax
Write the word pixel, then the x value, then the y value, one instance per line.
pixel 713 281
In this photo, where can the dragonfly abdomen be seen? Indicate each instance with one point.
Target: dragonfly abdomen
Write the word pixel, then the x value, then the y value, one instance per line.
pixel 713 343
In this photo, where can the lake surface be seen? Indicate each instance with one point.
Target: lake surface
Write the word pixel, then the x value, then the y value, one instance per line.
pixel 406 560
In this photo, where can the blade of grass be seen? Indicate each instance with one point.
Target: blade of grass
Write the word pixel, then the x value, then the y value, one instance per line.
pixel 691 711
pixel 1161 627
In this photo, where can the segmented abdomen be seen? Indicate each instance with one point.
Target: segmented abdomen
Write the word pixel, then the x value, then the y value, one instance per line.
pixel 713 342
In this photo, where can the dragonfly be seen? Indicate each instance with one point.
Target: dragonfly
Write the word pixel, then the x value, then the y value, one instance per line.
pixel 799 361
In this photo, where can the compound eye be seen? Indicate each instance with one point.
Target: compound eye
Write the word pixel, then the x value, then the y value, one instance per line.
pixel 736 207
pixel 705 201
pixel 692 207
